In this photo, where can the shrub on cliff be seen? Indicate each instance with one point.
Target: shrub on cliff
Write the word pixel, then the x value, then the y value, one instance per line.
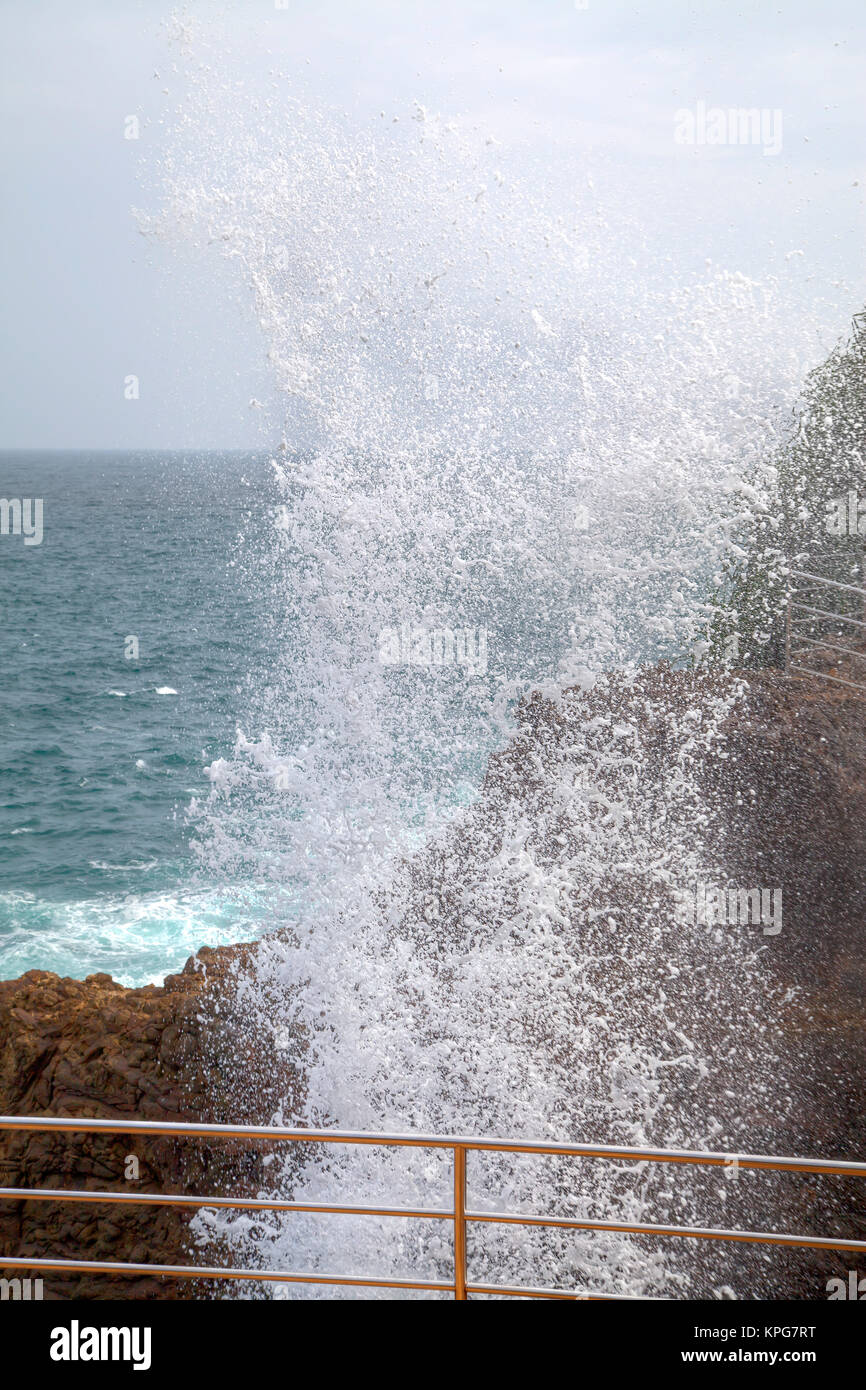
pixel 817 493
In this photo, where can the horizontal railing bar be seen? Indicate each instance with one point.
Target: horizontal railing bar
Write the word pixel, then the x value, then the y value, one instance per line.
pixel 813 626
pixel 282 1277
pixel 837 680
pixel 830 1166
pixel 207 1272
pixel 825 613
pixel 831 646
pixel 834 583
pixel 702 1233
pixel 572 1294
pixel 168 1199
pixel 24 1194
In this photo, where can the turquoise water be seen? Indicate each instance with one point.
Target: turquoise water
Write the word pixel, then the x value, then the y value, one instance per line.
pixel 99 761
pixel 158 617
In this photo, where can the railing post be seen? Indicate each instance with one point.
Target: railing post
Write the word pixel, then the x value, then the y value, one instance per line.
pixel 788 630
pixel 459 1222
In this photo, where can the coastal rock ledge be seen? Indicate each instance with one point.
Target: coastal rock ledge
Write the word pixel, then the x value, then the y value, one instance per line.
pixel 93 1048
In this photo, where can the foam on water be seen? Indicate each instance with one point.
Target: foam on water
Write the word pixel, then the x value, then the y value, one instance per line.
pixel 138 938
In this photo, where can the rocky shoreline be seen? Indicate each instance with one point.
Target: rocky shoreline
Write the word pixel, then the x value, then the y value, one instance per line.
pixel 788 806
pixel 93 1048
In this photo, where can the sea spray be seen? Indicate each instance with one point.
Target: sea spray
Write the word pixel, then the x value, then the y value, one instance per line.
pixel 570 483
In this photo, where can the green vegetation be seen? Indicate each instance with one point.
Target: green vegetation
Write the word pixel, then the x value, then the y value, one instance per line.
pixel 816 521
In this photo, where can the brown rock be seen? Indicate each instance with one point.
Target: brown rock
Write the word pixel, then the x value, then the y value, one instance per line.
pixel 93 1048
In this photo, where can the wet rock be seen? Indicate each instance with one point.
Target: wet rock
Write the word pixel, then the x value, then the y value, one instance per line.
pixel 94 1048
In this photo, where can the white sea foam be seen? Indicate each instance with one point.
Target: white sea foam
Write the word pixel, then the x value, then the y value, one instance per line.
pixel 508 426
pixel 134 866
pixel 153 934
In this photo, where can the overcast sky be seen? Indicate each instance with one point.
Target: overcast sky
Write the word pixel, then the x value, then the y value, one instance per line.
pixel 86 300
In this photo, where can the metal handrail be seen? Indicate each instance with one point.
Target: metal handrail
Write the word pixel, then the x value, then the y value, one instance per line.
pixel 487 1144
pixel 828 646
pixel 460 1146
pixel 42 1194
pixel 837 680
pixel 284 1277
pixel 794 659
pixel 827 613
pixel 820 579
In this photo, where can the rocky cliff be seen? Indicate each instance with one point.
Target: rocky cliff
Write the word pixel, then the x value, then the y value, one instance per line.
pixel 93 1048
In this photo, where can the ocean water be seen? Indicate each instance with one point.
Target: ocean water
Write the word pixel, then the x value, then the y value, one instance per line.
pixel 104 750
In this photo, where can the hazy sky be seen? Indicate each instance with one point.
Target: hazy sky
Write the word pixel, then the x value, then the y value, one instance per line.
pixel 87 300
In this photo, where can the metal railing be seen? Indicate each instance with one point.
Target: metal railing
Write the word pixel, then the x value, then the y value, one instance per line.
pixel 461 1286
pixel 816 620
